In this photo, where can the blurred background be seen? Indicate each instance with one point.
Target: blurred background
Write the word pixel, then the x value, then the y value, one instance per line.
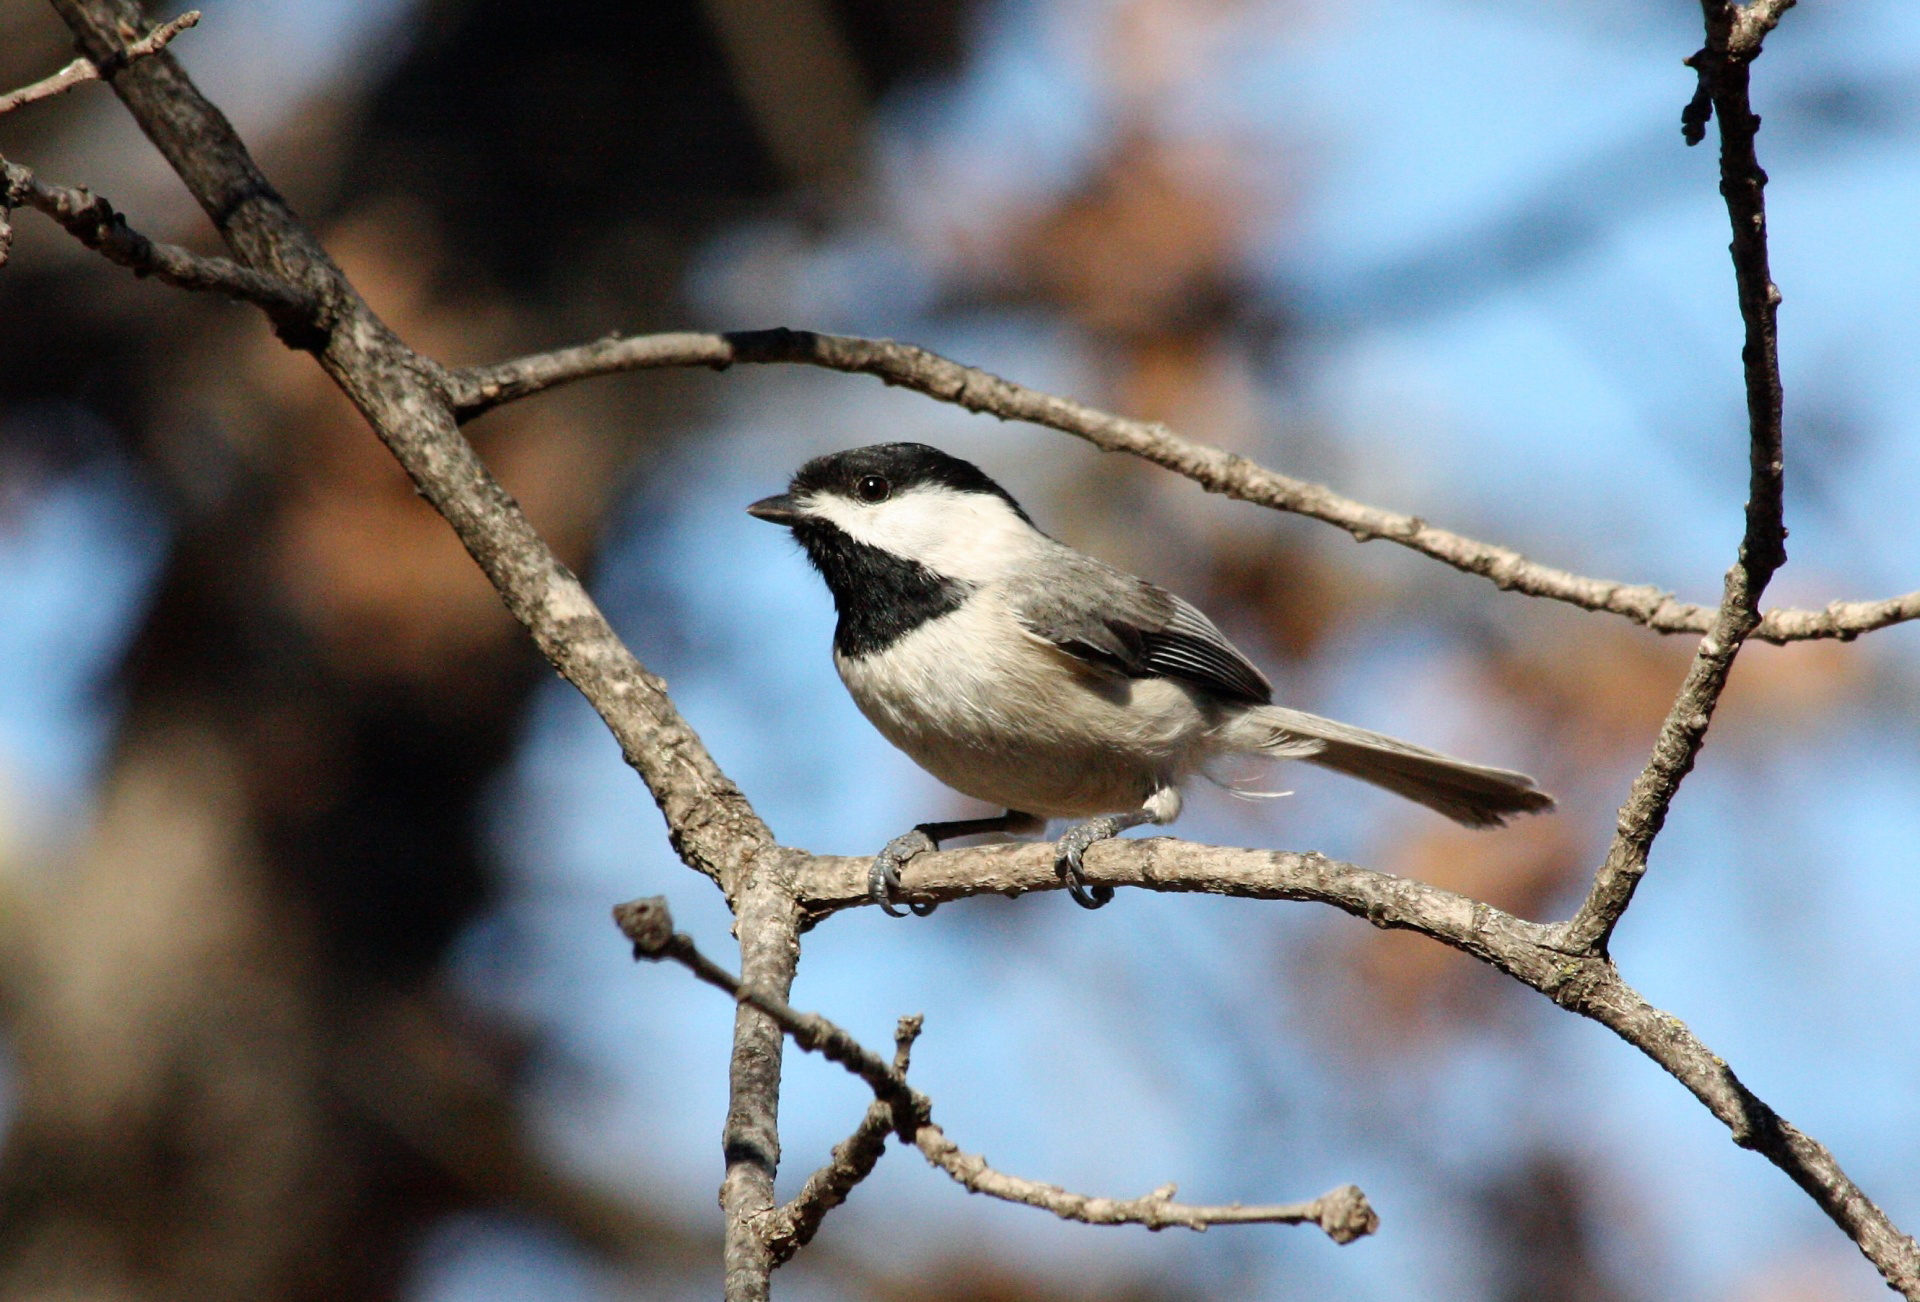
pixel 306 976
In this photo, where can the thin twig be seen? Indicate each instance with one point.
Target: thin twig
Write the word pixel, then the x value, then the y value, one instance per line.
pixel 792 1225
pixel 1343 1213
pixel 1723 69
pixel 477 389
pixel 93 221
pixel 83 69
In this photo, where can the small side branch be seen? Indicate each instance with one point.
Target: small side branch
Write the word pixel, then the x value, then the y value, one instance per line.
pixel 1342 1213
pixel 792 1225
pixel 83 69
pixel 1733 42
pixel 93 221
pixel 478 389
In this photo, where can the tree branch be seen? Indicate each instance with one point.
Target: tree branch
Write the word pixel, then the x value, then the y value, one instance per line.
pixel 767 922
pixel 1530 952
pixel 84 69
pixel 93 221
pixel 710 823
pixel 1733 41
pixel 1343 1213
pixel 792 1225
pixel 477 389
pixel 401 395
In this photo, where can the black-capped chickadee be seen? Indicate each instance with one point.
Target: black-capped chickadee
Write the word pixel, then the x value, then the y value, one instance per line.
pixel 1028 675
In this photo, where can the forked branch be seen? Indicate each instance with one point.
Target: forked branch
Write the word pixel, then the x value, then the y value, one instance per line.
pixel 1530 952
pixel 792 1225
pixel 1343 1213
pixel 93 221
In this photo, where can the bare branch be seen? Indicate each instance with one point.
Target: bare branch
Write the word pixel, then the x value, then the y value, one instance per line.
pixel 1530 952
pixel 477 389
pixel 84 69
pixel 400 393
pixel 1343 1213
pixel 648 924
pixel 93 221
pixel 1723 68
pixel 792 1225
pixel 767 922
pixel 830 884
pixel 1750 23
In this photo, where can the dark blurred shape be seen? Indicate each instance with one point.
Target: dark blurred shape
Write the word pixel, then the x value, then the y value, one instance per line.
pixel 1541 1229
pixel 797 77
pixel 553 139
pixel 240 1074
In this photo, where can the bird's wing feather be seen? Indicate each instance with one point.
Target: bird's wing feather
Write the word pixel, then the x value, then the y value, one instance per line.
pixel 1126 625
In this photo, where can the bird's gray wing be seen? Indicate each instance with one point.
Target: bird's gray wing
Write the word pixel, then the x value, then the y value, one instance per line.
pixel 1125 624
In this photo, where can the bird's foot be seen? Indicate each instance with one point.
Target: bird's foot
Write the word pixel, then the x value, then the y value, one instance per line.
pixel 883 879
pixel 1072 847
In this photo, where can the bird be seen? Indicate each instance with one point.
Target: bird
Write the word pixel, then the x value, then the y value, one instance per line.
pixel 1029 675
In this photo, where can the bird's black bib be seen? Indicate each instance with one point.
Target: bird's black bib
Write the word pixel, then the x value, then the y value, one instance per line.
pixel 880 597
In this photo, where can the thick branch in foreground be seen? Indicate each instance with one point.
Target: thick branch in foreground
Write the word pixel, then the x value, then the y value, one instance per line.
pixel 1343 1213
pixel 1530 952
pixel 83 69
pixel 401 396
pixel 1733 42
pixel 478 389
pixel 767 922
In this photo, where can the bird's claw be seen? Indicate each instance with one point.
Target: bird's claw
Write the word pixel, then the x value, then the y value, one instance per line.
pixel 1072 847
pixel 883 878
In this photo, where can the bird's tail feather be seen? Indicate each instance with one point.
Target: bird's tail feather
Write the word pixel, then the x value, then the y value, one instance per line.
pixel 1471 794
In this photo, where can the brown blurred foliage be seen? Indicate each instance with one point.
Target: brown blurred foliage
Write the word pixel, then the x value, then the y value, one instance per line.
pixel 239 1071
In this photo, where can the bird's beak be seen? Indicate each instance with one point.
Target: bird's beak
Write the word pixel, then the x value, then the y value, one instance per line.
pixel 778 509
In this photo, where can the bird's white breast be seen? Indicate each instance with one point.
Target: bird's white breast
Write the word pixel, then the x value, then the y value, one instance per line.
pixel 999 714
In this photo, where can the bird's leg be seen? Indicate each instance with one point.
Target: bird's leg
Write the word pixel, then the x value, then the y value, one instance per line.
pixel 883 879
pixel 1161 807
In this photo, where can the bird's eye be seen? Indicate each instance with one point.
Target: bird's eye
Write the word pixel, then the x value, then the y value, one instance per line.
pixel 872 488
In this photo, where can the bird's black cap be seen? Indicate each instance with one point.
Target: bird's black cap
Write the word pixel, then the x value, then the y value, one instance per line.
pixel 902 465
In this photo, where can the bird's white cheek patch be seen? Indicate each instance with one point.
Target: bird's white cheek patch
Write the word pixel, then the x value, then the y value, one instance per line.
pixel 973 537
